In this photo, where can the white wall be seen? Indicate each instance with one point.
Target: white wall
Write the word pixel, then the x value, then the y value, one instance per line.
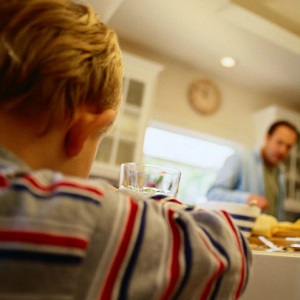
pixel 234 119
pixel 106 7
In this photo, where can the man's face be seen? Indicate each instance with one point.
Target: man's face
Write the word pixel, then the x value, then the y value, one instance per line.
pixel 278 145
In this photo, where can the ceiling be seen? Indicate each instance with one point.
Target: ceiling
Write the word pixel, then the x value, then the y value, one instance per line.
pixel 263 36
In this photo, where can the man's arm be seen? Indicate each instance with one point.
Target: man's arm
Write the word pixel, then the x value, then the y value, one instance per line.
pixel 225 186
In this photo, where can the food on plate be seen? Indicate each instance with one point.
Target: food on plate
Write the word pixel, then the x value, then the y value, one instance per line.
pixel 276 232
pixel 264 225
pixel 287 229
pixel 269 226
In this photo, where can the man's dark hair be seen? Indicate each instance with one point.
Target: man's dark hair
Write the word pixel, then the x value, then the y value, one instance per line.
pixel 279 123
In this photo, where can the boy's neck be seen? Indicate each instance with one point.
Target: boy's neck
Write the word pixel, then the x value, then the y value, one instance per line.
pixel 23 139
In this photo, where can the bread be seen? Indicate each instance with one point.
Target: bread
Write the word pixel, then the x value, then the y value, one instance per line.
pixel 286 229
pixel 269 226
pixel 264 225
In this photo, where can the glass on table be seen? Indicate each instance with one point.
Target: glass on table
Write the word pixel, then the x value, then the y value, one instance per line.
pixel 149 179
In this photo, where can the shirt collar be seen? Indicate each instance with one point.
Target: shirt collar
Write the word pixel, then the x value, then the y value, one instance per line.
pixel 10 163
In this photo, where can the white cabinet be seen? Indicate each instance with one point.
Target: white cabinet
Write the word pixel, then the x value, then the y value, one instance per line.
pixel 262 120
pixel 125 142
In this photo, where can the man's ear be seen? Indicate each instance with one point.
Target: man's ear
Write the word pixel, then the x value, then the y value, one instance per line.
pixel 84 127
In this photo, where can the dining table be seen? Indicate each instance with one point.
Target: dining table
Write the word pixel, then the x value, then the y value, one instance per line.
pixel 275 276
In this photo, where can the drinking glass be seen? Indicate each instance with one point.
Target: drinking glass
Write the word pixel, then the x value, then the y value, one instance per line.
pixel 149 179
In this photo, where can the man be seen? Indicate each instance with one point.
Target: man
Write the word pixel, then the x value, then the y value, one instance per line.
pixel 255 176
pixel 63 236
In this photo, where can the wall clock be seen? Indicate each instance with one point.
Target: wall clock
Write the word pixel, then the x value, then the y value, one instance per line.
pixel 204 96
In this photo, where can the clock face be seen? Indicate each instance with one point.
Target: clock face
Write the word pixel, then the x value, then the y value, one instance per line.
pixel 204 96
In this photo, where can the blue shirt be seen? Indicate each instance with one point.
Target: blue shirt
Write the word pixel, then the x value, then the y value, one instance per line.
pixel 242 176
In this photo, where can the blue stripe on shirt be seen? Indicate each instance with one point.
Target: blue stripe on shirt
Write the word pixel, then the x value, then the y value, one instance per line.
pixel 246 256
pixel 53 258
pixel 134 256
pixel 48 196
pixel 187 256
pixel 224 253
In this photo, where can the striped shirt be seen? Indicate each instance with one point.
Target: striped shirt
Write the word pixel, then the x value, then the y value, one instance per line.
pixel 64 238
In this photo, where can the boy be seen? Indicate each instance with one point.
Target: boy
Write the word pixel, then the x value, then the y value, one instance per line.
pixel 66 237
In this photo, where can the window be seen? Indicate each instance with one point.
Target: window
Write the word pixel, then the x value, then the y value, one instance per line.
pixel 198 157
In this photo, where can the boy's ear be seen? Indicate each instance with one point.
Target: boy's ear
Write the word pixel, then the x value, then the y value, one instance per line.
pixel 84 127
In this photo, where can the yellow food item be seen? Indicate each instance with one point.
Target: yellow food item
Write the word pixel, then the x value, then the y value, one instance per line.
pixel 297 223
pixel 288 229
pixel 269 226
pixel 265 225
pixel 286 224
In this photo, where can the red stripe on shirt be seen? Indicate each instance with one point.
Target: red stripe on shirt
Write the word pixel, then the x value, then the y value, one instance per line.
pixel 52 187
pixel 121 252
pixel 212 280
pixel 174 201
pixel 3 181
pixel 240 286
pixel 41 238
pixel 174 266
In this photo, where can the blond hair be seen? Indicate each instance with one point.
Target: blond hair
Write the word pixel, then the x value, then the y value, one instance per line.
pixel 56 55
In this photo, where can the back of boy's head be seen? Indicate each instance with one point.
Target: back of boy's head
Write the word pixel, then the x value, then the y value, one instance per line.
pixel 55 56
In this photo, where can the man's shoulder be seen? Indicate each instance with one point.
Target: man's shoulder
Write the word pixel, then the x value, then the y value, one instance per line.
pixel 246 153
pixel 244 157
